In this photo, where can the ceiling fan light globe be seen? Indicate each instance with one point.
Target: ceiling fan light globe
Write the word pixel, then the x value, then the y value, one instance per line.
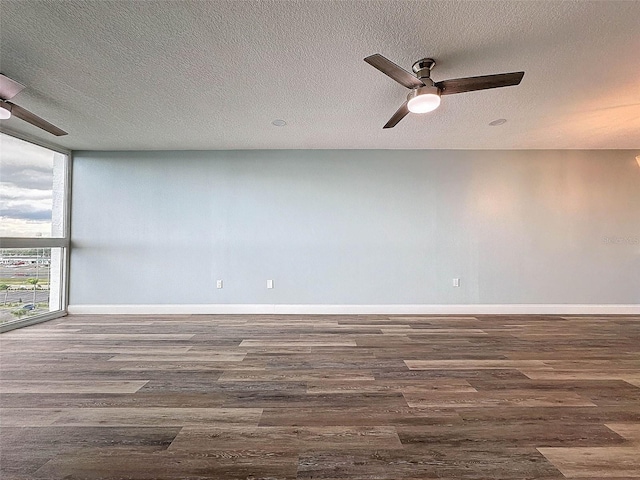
pixel 424 103
pixel 424 99
pixel 5 113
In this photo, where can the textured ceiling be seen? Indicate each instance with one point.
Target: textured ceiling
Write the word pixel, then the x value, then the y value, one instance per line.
pixel 214 75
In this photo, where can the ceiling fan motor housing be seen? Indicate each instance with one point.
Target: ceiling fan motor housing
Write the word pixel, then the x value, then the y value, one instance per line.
pixel 427 89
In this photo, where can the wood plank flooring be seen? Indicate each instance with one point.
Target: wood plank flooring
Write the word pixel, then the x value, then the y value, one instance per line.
pixel 321 397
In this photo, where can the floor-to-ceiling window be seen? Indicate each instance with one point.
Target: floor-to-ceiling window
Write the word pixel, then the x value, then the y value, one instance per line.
pixel 34 232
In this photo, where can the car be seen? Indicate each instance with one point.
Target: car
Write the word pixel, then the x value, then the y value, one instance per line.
pixel 28 306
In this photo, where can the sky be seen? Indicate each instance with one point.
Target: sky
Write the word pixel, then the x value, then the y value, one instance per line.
pixel 26 180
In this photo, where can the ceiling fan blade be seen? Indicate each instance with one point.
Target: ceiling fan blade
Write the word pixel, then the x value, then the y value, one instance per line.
pixel 402 112
pixel 389 68
pixel 9 88
pixel 32 118
pixel 470 84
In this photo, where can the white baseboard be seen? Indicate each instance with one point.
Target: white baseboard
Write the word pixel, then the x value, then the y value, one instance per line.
pixel 229 309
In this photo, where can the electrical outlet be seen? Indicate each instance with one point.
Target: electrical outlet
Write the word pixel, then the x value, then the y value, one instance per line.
pixel 219 284
pixel 456 282
pixel 269 283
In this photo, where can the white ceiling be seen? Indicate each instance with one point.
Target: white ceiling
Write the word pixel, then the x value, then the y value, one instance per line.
pixel 215 74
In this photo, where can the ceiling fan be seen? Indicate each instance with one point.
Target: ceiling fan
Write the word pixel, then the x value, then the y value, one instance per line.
pixel 9 89
pixel 425 93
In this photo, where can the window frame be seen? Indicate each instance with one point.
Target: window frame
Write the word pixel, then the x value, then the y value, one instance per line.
pixel 63 242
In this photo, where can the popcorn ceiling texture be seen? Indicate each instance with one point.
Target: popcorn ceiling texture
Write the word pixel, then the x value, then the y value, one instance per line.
pixel 213 75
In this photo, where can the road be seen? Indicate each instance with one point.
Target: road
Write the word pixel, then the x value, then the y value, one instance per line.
pixel 23 296
pixel 22 273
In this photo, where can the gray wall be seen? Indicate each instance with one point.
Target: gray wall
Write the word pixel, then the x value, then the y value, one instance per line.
pixel 356 227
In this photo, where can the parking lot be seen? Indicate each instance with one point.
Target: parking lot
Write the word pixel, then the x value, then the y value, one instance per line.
pixel 17 292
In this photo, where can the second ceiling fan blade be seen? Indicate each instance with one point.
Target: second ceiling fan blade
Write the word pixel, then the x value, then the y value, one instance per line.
pixel 9 88
pixel 32 118
pixel 402 112
pixel 470 84
pixel 389 68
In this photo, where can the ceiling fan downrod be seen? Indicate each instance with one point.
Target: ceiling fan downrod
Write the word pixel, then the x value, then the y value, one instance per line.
pixel 422 69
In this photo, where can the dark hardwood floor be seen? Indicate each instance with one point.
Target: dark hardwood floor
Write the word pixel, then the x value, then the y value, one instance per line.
pixel 321 397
